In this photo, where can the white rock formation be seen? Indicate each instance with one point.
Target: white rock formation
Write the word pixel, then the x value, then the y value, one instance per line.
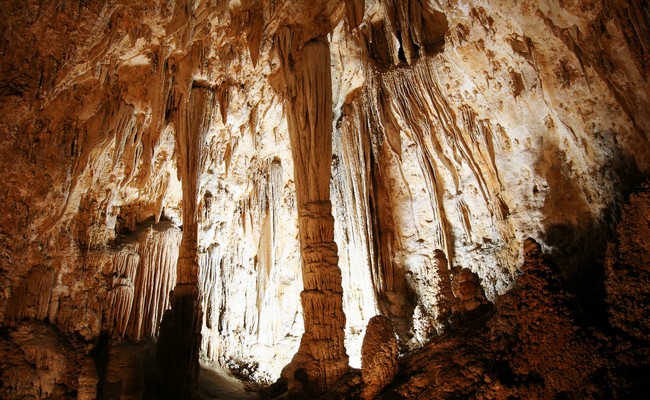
pixel 457 126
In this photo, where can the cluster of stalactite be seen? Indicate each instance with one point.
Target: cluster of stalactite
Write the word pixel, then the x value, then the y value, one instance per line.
pixel 143 274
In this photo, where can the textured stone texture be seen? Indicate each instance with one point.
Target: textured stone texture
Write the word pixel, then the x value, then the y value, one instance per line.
pixel 470 300
pixel 627 278
pixel 530 347
pixel 38 362
pixel 457 127
pixel 379 356
pixel 321 356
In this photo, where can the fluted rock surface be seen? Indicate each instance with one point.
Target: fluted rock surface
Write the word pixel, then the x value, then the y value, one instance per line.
pixel 307 78
pixel 457 127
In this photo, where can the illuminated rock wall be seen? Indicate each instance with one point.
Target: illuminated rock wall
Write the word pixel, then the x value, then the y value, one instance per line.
pixel 458 129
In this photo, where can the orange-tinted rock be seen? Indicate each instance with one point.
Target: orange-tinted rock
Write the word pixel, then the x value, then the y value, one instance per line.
pixel 379 356
pixel 462 129
pixel 627 283
pixel 321 359
pixel 470 300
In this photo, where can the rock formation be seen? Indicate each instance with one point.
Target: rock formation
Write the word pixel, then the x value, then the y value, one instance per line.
pixel 38 362
pixel 470 298
pixel 445 295
pixel 379 356
pixel 322 355
pixel 292 168
pixel 627 275
pixel 531 347
pixel 177 356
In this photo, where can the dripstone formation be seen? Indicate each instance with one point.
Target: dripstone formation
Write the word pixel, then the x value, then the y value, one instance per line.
pixel 379 356
pixel 329 198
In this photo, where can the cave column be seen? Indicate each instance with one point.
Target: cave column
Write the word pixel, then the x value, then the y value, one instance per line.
pixel 321 359
pixel 180 330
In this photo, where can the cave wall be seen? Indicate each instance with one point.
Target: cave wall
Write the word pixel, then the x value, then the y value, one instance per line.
pixel 458 126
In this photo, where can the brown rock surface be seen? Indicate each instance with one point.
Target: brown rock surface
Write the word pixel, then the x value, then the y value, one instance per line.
pixel 470 300
pixel 530 347
pixel 379 356
pixel 38 362
pixel 260 154
pixel 627 278
pixel 321 357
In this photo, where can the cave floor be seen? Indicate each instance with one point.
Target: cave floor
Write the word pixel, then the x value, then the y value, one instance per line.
pixel 216 383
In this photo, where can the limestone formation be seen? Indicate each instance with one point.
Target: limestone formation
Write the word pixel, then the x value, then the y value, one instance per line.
pixel 292 168
pixel 321 359
pixel 38 362
pixel 445 297
pixel 470 300
pixel 147 259
pixel 627 276
pixel 88 380
pixel 31 300
pixel 177 366
pixel 379 356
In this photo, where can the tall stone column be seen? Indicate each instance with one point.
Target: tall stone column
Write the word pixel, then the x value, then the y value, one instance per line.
pixel 321 359
pixel 177 362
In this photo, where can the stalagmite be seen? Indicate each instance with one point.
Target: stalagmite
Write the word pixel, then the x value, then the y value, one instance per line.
pixel 445 296
pixel 321 359
pixel 88 380
pixel 379 356
pixel 470 300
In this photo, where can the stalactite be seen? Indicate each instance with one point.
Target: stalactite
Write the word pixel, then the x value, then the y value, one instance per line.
pixel 523 118
pixel 404 31
pixel 143 273
pixel 209 269
pixel 353 202
pixel 159 250
pixel 120 296
pixel 251 269
pixel 354 10
pixel 322 355
pixel 370 147
pixel 32 298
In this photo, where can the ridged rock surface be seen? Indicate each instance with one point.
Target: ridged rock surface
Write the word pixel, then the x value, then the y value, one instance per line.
pixel 437 129
pixel 379 356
